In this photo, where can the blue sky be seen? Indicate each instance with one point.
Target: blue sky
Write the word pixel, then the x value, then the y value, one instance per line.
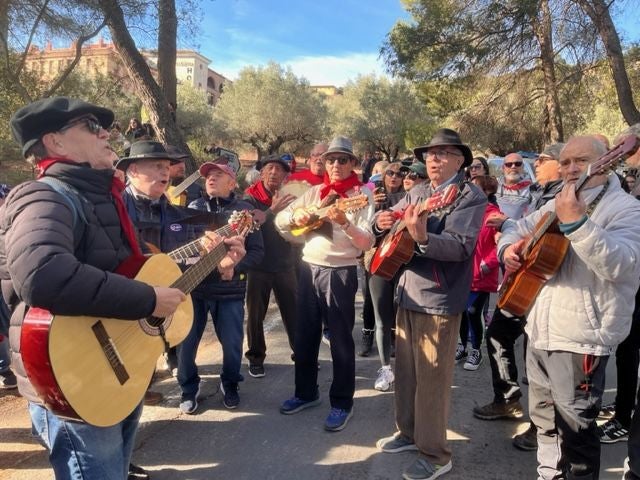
pixel 326 41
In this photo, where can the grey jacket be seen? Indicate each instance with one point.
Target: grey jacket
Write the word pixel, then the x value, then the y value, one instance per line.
pixel 437 279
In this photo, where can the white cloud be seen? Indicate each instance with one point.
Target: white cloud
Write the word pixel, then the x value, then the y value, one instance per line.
pixel 318 70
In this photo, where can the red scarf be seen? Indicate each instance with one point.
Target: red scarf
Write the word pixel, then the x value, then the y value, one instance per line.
pixel 130 266
pixel 306 176
pixel 341 187
pixel 260 193
pixel 517 186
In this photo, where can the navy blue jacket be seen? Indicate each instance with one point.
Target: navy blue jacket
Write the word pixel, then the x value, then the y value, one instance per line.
pixel 213 287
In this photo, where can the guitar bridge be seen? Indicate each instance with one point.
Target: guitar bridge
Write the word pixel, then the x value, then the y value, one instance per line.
pixel 110 351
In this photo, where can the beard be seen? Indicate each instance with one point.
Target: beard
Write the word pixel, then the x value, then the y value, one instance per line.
pixel 511 178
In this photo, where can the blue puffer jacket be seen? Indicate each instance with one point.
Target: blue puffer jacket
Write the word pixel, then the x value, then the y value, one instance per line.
pixel 213 287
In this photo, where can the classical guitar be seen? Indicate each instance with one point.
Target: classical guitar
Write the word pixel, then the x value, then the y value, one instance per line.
pixel 98 369
pixel 177 195
pixel 318 215
pixel 397 247
pixel 544 252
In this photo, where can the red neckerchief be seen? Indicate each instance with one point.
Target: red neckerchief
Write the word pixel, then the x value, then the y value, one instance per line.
pixel 130 266
pixel 306 176
pixel 341 187
pixel 260 193
pixel 517 186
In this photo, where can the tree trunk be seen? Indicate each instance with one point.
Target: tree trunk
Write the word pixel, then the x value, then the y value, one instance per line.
pixel 144 83
pixel 598 12
pixel 4 26
pixel 167 35
pixel 553 131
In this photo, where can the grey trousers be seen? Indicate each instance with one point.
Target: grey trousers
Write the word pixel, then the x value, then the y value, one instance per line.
pixel 565 395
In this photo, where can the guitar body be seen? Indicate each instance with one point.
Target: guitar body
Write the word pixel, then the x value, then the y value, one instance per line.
pixel 395 250
pixel 98 369
pixel 520 289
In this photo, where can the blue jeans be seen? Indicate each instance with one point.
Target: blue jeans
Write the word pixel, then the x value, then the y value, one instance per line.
pixel 5 355
pixel 78 451
pixel 228 318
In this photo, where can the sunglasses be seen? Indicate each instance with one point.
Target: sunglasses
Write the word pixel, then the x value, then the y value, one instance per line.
pixel 92 124
pixel 512 164
pixel 391 173
pixel 340 160
pixel 415 176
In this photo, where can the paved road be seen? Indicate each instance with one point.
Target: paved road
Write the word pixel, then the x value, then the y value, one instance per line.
pixel 256 441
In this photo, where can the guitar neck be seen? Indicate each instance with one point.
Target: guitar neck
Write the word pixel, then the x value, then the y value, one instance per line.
pixel 194 248
pixel 182 186
pixel 198 272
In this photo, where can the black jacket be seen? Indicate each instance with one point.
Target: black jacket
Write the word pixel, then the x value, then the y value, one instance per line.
pixel 213 287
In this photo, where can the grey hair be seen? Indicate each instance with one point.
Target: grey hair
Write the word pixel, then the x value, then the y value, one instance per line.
pixel 36 152
pixel 632 130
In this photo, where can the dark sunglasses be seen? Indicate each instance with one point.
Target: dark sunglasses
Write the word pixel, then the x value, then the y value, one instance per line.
pixel 92 124
pixel 415 176
pixel 512 164
pixel 391 173
pixel 340 160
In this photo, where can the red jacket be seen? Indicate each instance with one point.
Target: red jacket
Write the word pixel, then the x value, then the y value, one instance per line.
pixel 485 253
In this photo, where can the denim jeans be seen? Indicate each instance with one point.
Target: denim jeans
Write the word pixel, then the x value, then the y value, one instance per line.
pixel 78 451
pixel 228 318
pixel 5 355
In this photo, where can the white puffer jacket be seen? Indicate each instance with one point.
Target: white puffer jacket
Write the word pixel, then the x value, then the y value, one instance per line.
pixel 587 306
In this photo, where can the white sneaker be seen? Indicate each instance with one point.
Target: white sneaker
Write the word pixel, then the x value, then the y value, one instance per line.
pixel 473 360
pixel 385 379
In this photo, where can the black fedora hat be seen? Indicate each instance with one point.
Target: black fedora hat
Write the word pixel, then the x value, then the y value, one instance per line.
pixel 33 121
pixel 147 150
pixel 446 137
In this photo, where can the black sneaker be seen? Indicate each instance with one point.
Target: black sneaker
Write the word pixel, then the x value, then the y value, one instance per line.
pixel 8 380
pixel 230 397
pixel 366 342
pixel 256 371
pixel 612 431
pixel 137 473
pixel 528 440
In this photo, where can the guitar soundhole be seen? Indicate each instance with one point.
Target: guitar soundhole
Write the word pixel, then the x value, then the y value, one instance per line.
pixel 151 325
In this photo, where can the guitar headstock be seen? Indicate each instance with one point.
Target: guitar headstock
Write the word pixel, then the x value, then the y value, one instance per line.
pixel 610 160
pixel 242 222
pixel 352 203
pixel 441 199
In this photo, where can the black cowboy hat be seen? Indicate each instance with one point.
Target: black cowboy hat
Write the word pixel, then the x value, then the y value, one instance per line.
pixel 147 150
pixel 446 137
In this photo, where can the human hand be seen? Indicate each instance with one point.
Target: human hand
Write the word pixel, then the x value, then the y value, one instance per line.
pixel 385 220
pixel 512 257
pixel 167 301
pixel 569 207
pixel 280 201
pixel 337 216
pixel 416 224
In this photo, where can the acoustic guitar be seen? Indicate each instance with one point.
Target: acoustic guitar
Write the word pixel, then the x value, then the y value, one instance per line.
pixel 397 247
pixel 318 215
pixel 98 369
pixel 544 252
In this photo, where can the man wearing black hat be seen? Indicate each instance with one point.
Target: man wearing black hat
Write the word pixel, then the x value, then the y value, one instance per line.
pixel 431 294
pixel 276 271
pixel 61 251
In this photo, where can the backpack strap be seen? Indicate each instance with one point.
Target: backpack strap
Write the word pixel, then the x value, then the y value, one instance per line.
pixel 74 200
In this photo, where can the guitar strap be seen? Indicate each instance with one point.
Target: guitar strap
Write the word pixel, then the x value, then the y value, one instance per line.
pixel 592 206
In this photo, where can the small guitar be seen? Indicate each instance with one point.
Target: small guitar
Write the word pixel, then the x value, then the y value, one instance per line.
pixel 544 252
pixel 176 194
pixel 397 247
pixel 318 215
pixel 98 369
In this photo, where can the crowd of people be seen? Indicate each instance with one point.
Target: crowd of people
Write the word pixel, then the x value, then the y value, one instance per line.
pixel 72 242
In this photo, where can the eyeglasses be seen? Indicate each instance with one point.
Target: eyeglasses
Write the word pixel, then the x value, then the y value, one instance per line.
pixel 392 173
pixel 340 160
pixel 475 166
pixel 415 176
pixel 442 154
pixel 92 124
pixel 512 164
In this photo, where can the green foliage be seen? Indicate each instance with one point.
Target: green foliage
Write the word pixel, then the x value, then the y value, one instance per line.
pixel 194 117
pixel 270 109
pixel 382 115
